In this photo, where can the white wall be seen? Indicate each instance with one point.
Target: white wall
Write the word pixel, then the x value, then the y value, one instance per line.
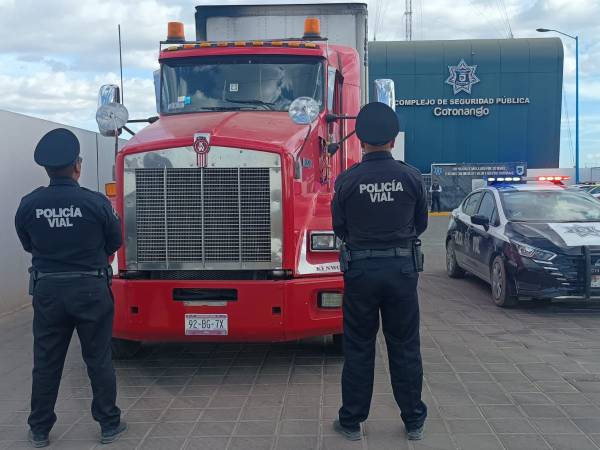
pixel 19 175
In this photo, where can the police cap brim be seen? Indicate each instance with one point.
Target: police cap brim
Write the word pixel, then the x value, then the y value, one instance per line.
pixel 377 124
pixel 57 148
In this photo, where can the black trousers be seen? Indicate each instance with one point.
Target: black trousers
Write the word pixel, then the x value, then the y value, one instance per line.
pixel 435 201
pixel 387 286
pixel 59 307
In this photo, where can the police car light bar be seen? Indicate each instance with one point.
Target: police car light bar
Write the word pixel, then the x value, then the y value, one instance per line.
pixel 504 179
pixel 551 178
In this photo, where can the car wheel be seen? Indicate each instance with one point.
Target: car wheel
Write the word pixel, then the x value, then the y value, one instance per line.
pixel 338 344
pixel 452 267
pixel 124 349
pixel 499 282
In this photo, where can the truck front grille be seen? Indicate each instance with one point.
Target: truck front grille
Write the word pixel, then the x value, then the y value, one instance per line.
pixel 203 215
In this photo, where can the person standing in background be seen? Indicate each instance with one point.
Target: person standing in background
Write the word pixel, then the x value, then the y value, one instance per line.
pixel 436 191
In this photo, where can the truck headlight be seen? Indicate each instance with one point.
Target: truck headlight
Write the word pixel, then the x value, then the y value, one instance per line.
pixel 324 241
pixel 529 251
pixel 330 299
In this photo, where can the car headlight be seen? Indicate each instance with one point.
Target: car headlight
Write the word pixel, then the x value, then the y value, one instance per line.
pixel 529 251
pixel 324 241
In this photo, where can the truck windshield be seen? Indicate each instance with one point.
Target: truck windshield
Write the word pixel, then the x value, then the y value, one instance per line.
pixel 252 82
pixel 550 206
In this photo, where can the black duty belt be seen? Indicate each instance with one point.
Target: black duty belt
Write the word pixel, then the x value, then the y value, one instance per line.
pixel 355 255
pixel 35 276
pixel 100 273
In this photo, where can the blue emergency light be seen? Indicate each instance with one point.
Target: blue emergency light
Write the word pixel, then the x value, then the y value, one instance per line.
pixel 496 180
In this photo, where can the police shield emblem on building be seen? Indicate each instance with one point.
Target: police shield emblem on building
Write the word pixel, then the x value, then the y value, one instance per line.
pixel 202 147
pixel 462 77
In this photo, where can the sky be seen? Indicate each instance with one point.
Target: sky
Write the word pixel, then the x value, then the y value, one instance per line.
pixel 55 54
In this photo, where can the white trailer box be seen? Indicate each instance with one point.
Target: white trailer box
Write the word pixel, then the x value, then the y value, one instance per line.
pixel 341 23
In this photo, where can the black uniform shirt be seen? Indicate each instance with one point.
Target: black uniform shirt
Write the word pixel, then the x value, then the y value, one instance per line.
pixel 379 203
pixel 67 228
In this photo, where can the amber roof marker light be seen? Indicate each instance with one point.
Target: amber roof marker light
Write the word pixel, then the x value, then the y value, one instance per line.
pixel 312 28
pixel 175 32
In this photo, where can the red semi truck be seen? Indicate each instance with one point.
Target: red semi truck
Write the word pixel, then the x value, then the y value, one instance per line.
pixel 225 196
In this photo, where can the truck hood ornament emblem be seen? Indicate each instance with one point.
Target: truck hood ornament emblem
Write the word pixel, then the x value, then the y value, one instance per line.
pixel 202 147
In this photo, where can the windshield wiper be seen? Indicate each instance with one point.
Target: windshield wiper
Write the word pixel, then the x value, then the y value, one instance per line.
pixel 223 108
pixel 267 105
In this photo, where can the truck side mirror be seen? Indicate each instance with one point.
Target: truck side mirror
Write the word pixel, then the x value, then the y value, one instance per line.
pixel 386 93
pixel 304 110
pixel 111 115
pixel 111 118
pixel 109 93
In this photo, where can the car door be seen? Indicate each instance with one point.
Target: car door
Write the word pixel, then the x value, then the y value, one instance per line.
pixel 461 234
pixel 481 241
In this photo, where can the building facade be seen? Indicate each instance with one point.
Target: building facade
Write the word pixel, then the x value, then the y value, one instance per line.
pixel 475 101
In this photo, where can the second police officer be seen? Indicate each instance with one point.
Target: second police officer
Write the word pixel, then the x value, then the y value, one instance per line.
pixel 379 210
pixel 70 232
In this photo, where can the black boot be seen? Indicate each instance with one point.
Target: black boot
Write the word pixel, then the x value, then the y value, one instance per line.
pixel 38 440
pixel 112 434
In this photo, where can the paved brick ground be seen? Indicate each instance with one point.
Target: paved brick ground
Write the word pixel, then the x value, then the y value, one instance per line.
pixel 527 378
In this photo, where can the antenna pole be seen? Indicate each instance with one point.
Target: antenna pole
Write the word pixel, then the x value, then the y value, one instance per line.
pixel 408 19
pixel 121 66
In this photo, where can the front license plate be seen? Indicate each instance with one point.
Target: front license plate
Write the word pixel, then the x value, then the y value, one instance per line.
pixel 206 324
pixel 596 281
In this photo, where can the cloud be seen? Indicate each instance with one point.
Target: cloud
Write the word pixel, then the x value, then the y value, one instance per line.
pixel 67 98
pixel 87 30
pixel 55 54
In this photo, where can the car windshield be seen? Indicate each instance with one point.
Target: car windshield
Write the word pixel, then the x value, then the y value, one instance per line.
pixel 550 206
pixel 252 82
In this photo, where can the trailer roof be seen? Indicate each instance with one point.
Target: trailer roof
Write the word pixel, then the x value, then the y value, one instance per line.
pixel 278 9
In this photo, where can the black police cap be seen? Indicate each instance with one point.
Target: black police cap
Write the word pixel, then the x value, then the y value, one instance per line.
pixel 58 148
pixel 377 124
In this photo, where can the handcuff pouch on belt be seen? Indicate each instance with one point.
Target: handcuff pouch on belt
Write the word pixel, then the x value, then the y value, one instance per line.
pixel 418 257
pixel 344 257
pixel 32 280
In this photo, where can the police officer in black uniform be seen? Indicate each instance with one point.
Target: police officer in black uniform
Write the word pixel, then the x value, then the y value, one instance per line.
pixel 379 209
pixel 70 232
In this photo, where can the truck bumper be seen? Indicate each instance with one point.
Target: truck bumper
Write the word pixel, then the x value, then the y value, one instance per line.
pixel 265 311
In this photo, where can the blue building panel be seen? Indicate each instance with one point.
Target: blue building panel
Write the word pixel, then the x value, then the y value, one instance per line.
pixel 478 101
